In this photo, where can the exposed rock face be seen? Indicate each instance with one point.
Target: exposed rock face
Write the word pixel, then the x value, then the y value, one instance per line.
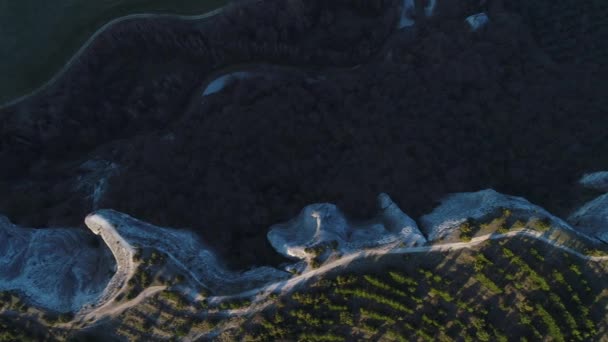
pixel 477 21
pixel 457 208
pixel 185 250
pixel 57 269
pixel 325 223
pixel 592 218
pixel 596 181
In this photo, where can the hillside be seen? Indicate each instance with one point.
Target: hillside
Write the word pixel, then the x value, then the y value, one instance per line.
pixel 511 273
pixel 38 38
pixel 314 170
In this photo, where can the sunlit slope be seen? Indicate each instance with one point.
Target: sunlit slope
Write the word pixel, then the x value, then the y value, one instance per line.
pixel 515 288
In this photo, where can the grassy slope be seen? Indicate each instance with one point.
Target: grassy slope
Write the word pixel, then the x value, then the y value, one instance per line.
pixel 517 287
pixel 38 37
pixel 481 295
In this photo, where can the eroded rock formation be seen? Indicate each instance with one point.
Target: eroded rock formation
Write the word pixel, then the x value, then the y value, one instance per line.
pixel 185 249
pixel 57 269
pixel 325 224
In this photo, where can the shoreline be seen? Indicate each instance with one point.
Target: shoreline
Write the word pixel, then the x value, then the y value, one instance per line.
pixel 57 75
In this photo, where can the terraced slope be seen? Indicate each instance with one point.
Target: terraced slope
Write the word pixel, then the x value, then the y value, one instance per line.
pixel 509 288
pixel 514 288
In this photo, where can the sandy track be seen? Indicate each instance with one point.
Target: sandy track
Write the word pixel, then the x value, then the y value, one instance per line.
pixel 289 285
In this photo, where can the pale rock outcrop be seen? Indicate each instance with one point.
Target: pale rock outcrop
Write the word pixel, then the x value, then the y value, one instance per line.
pixel 397 222
pixel 408 11
pixel 592 218
pixel 477 21
pixel 123 254
pixel 325 223
pixel 455 209
pixel 430 7
pixel 184 249
pixel 596 181
pixel 56 269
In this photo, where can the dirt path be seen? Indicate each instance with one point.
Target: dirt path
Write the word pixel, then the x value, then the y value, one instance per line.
pixel 102 29
pixel 109 307
pixel 115 310
pixel 287 286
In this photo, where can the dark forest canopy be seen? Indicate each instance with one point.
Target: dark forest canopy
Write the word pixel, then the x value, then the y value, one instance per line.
pixel 357 108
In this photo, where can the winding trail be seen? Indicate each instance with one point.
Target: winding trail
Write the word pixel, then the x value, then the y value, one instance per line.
pixel 125 266
pixel 291 283
pixel 115 310
pixel 286 286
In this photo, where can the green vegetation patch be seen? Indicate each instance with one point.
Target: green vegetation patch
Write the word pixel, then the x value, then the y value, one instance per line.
pixel 500 290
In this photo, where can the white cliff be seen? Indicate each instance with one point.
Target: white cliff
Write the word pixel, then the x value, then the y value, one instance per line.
pixel 184 249
pixel 592 217
pixel 57 269
pixel 477 21
pixel 325 223
pixel 455 209
pixel 63 270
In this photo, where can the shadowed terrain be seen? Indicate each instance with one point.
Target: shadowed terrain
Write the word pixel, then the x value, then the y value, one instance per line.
pixel 428 110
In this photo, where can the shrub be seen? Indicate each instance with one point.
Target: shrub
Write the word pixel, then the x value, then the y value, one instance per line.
pixel 488 283
pixel 541 225
pixel 321 338
pixel 375 297
pixel 381 285
pixel 401 279
pixel 552 326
